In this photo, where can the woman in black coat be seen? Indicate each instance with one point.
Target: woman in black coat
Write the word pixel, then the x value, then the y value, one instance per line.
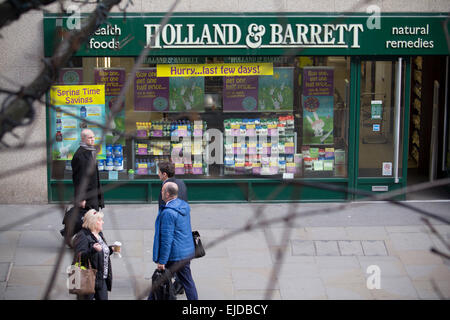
pixel 90 243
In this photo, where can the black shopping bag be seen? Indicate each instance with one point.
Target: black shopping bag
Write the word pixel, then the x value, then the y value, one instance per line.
pixel 162 285
pixel 199 250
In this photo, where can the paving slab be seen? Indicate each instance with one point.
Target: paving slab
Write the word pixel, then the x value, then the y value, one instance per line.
pixel 426 290
pixel 366 233
pixel 131 248
pixel 350 248
pixel 40 256
pixel 410 241
pixel 438 242
pixel 326 233
pixel 348 291
pixel 2 290
pixel 347 276
pixel 257 294
pixel 129 266
pixel 374 248
pixel 212 248
pixel 215 288
pixel 444 230
pixel 253 279
pixel 395 288
pixel 4 269
pixel 419 257
pixel 249 240
pixel 338 262
pixel 7 253
pixel 293 288
pixel 438 272
pixel 276 236
pixel 42 239
pixel 444 288
pixel 123 236
pixel 407 229
pixel 297 270
pixel 289 258
pixel 303 248
pixel 211 268
pixel 24 292
pixel 250 258
pixel 327 248
pixel 9 241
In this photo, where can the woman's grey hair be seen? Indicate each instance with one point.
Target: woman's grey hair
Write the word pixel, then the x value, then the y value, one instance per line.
pixel 90 219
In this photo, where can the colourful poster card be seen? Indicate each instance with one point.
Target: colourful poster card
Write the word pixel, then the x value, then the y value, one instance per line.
pixel 376 110
pixel 318 122
pixel 113 78
pixel 240 94
pixel 151 93
pixel 187 94
pixel 318 105
pixel 72 105
pixel 114 81
pixel 275 92
pixel 318 81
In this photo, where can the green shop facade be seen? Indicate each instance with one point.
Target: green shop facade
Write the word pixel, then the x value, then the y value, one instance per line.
pixel 252 107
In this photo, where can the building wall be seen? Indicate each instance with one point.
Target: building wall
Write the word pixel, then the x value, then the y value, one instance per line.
pixel 23 171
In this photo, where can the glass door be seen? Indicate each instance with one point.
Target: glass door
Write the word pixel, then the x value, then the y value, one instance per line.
pixel 380 129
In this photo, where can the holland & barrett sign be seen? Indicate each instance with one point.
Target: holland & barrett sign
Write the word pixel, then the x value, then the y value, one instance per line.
pixel 249 34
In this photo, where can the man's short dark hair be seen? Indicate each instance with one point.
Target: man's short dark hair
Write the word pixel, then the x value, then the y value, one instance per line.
pixel 167 167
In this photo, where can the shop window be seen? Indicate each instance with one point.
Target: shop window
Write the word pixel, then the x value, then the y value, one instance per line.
pixel 292 123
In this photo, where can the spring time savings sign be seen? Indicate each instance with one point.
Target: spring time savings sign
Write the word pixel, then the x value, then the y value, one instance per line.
pixel 73 104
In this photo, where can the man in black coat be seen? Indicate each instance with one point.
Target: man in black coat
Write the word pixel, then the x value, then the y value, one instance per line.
pixel 166 173
pixel 87 193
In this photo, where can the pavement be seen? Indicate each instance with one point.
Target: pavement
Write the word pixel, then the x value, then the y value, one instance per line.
pixel 358 250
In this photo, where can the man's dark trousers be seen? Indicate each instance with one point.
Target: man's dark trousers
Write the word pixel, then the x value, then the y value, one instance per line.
pixel 184 275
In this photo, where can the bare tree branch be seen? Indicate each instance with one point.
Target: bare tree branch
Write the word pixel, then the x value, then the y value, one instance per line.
pixel 20 109
pixel 11 10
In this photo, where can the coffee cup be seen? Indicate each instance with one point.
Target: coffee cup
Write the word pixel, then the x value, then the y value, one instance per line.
pixel 117 248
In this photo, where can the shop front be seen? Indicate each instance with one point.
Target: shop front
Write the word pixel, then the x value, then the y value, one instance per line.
pixel 249 107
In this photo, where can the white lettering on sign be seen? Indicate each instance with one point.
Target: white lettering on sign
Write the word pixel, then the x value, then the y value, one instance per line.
pixel 408 31
pixel 178 36
pixel 109 43
pixel 171 35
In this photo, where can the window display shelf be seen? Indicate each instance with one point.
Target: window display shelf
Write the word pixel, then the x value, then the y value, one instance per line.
pixel 165 141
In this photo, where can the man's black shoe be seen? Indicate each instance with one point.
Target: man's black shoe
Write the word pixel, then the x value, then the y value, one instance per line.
pixel 178 287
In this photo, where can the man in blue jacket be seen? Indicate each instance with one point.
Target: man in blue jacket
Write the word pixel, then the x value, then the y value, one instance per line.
pixel 173 246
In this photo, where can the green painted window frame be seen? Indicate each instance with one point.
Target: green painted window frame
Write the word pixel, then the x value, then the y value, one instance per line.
pixel 364 182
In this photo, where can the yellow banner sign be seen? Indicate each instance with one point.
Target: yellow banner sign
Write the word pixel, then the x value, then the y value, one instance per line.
pixel 77 95
pixel 214 69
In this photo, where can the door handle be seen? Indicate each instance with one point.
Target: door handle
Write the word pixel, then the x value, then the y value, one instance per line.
pixel 434 133
pixel 398 102
pixel 444 142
